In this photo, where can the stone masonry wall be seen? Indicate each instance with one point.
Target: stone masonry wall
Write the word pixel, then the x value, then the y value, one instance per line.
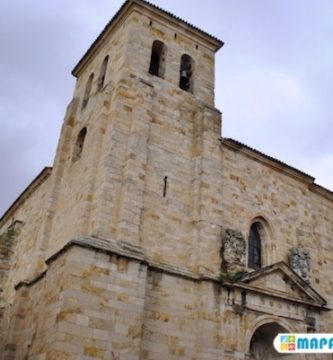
pixel 295 216
pixel 21 257
pixel 88 305
pixel 201 319
pixel 134 126
pixel 92 304
pixel 144 28
pixel 30 322
pixel 77 191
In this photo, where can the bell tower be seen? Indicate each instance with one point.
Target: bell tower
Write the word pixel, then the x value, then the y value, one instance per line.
pixel 120 258
pixel 138 163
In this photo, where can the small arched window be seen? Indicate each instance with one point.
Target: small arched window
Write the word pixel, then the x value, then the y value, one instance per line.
pixel 157 59
pixel 254 250
pixel 79 144
pixel 186 73
pixel 102 73
pixel 87 91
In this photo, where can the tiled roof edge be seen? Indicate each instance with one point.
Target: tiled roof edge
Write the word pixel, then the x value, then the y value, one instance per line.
pixel 310 180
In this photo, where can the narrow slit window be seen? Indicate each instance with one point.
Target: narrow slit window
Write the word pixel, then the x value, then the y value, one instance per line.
pixel 254 256
pixel 186 73
pixel 79 144
pixel 157 59
pixel 244 298
pixel 101 78
pixel 165 186
pixel 87 91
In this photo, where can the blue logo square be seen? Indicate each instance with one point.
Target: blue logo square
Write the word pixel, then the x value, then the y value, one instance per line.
pixel 284 339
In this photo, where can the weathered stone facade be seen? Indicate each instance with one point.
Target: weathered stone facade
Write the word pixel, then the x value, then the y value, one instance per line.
pixel 136 244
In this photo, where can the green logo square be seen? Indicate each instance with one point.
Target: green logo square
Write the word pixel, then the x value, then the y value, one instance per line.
pixel 291 339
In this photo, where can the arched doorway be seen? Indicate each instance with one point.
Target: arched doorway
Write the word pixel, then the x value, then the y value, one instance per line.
pixel 261 345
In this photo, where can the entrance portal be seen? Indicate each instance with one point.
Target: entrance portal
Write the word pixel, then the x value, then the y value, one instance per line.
pixel 261 346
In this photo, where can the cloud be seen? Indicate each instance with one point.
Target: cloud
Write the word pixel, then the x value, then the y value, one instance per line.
pixel 263 102
pixel 261 96
pixel 280 114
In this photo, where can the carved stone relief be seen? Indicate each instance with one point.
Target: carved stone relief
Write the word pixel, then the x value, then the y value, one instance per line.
pixel 299 261
pixel 233 251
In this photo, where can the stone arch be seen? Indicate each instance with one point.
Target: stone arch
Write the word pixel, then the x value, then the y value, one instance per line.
pixel 186 73
pixel 102 73
pixel 87 90
pixel 266 223
pixel 158 59
pixel 79 144
pixel 259 338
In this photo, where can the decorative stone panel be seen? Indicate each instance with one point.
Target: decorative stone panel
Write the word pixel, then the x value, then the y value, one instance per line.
pixel 233 251
pixel 299 261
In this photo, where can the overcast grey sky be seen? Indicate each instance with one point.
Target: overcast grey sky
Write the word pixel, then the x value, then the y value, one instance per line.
pixel 274 77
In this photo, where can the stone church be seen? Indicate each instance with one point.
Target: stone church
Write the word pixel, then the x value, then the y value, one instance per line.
pixel 153 237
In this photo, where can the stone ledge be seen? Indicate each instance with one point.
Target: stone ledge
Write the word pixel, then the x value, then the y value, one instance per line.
pixel 124 249
pixel 134 253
